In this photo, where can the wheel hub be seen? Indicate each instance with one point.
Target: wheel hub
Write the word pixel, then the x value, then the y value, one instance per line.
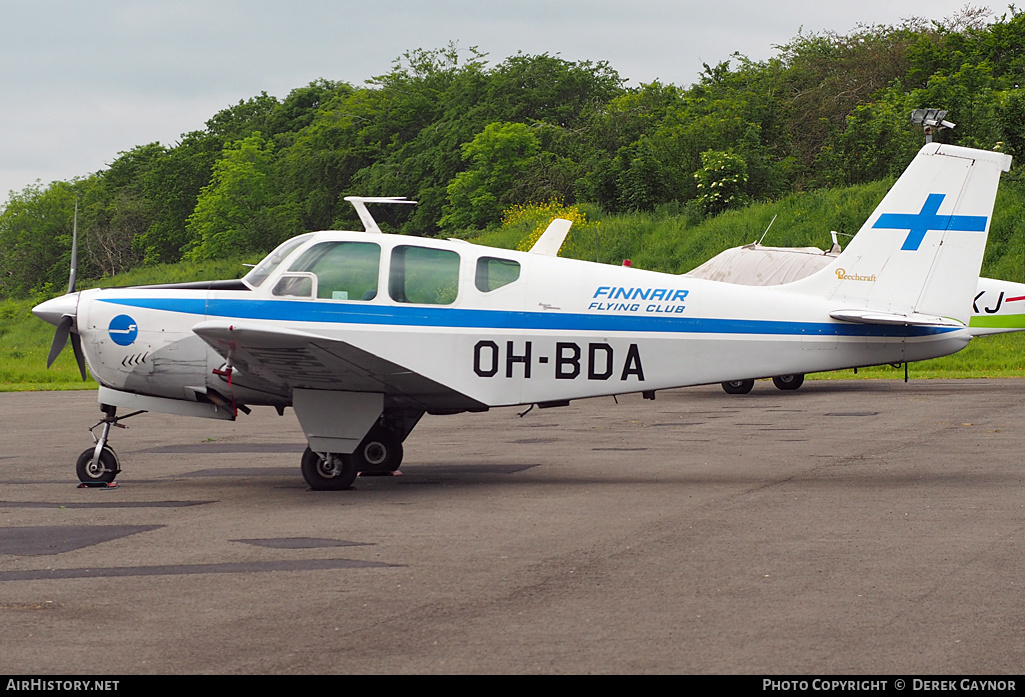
pixel 329 467
pixel 375 453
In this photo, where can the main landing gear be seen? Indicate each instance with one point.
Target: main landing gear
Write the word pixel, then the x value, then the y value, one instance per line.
pixel 98 465
pixel 738 386
pixel 379 453
pixel 791 381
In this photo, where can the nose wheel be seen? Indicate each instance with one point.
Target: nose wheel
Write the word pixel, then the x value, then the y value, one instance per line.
pixel 99 465
pixel 97 469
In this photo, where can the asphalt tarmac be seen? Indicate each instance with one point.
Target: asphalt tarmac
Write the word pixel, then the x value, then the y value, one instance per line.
pixel 851 527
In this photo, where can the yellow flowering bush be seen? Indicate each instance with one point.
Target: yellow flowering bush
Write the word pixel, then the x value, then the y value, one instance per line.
pixel 533 219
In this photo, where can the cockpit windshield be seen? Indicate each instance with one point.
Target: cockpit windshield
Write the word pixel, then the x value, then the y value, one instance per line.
pixel 266 267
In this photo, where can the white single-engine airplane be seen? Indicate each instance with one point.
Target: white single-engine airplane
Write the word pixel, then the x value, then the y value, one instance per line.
pixel 361 333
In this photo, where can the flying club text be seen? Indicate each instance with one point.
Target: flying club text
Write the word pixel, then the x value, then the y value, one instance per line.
pixel 619 299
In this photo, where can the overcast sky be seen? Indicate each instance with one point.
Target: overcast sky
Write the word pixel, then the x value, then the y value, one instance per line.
pixel 83 81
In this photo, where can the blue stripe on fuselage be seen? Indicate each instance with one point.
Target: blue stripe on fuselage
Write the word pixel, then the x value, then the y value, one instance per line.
pixel 451 318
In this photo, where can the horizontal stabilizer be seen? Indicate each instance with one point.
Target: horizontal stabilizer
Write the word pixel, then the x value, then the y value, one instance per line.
pixel 913 319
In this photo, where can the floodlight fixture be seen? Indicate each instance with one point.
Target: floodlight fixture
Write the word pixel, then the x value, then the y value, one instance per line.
pixel 929 119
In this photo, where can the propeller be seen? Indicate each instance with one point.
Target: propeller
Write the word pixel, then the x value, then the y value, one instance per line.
pixel 62 312
pixel 65 329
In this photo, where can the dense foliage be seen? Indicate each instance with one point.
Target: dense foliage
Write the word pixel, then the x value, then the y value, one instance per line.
pixel 469 140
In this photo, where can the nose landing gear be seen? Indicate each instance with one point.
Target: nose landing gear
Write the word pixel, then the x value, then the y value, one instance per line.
pixel 98 465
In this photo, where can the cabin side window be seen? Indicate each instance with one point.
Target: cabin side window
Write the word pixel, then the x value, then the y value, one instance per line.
pixel 423 275
pixel 493 273
pixel 334 271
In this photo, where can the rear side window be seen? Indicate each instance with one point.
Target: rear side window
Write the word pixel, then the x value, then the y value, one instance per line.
pixel 423 275
pixel 493 273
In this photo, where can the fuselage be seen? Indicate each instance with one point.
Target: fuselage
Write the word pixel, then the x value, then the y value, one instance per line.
pixel 498 326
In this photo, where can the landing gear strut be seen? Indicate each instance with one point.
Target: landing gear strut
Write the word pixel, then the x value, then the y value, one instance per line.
pixel 99 465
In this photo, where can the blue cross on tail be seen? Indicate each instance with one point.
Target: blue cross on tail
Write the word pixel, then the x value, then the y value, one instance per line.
pixel 917 224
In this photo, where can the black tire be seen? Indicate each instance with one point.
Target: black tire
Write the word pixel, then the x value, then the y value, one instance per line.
pixel 104 471
pixel 322 476
pixel 379 453
pixel 792 381
pixel 738 386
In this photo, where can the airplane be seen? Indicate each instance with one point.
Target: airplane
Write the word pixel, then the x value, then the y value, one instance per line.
pixel 998 306
pixel 361 333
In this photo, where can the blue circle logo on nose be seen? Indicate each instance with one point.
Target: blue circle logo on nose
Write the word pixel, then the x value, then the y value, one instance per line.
pixel 123 330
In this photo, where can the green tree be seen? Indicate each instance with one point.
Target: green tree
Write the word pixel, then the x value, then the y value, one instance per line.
pixel 971 98
pixel 1012 121
pixel 237 212
pixel 721 181
pixel 877 141
pixel 116 210
pixel 171 189
pixel 499 156
pixel 35 236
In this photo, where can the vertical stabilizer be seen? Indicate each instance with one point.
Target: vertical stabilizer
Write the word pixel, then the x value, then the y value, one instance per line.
pixel 920 252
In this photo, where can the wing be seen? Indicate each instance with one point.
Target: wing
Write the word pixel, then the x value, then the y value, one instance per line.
pixel 292 359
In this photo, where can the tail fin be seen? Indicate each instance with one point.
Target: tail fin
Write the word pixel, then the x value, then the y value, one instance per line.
pixel 920 252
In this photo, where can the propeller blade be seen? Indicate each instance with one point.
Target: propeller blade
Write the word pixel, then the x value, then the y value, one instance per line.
pixel 76 346
pixel 73 276
pixel 60 338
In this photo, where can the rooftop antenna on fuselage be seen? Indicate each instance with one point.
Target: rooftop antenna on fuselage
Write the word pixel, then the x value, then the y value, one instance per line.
pixel 360 204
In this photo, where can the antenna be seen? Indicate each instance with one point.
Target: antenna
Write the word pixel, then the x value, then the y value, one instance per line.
pixel 359 203
pixel 766 230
